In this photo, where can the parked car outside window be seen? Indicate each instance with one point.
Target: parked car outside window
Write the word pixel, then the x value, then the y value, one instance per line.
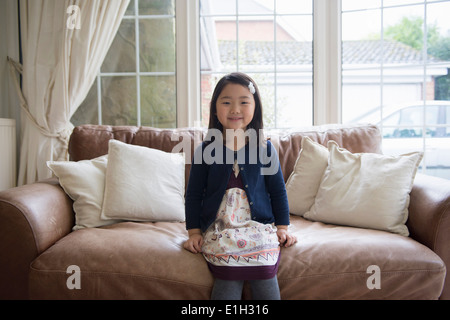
pixel 416 127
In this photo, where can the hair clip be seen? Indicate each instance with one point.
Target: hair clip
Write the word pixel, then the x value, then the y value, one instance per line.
pixel 251 87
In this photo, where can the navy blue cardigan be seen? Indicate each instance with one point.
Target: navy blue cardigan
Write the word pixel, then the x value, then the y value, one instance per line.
pixel 261 176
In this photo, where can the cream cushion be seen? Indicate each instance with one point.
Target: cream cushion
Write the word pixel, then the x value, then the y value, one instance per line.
pixel 365 190
pixel 304 181
pixel 143 184
pixel 84 182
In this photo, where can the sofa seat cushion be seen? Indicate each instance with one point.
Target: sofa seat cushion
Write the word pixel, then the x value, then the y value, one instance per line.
pixel 128 260
pixel 133 260
pixel 332 262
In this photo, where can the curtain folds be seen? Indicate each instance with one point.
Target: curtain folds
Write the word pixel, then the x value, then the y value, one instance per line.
pixel 63 48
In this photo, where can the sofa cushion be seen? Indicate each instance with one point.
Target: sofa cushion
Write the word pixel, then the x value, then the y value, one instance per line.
pixel 143 184
pixel 354 138
pixel 84 183
pixel 333 262
pixel 128 260
pixel 304 181
pixel 365 190
pixel 132 260
pixel 91 141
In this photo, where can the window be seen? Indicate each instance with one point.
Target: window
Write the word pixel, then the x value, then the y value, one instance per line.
pixel 137 81
pixel 381 61
pixel 270 40
pixel 395 73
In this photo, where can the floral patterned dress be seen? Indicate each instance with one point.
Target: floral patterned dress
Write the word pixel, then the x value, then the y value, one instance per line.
pixel 237 247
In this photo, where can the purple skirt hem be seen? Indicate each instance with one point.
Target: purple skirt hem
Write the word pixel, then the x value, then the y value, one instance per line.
pixel 244 273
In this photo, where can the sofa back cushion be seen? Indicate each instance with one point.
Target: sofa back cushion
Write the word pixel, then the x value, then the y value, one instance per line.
pixel 91 141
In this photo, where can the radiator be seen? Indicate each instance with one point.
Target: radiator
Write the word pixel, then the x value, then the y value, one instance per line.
pixel 7 154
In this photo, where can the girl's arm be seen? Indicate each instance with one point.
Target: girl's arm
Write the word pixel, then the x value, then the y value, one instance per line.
pixel 280 206
pixel 284 237
pixel 195 241
pixel 195 191
pixel 193 203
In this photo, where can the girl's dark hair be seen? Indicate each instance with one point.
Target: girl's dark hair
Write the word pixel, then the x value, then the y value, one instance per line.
pixel 244 80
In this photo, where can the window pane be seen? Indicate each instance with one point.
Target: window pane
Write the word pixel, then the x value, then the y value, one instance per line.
pixel 400 133
pixel 119 103
pixel 155 23
pixel 398 84
pixel 437 152
pixel 361 25
pixel 293 7
pixel 121 56
pixel 295 28
pixel 156 7
pixel 158 102
pixel 157 45
pixel 208 83
pixel 362 50
pixel 360 4
pixel 398 141
pixel 438 46
pixel 274 49
pixel 255 7
pixel 130 9
pixel 256 46
pixel 86 112
pixel 217 7
pixel 404 25
pixel 265 83
pixel 412 116
pixel 227 57
pixel 291 86
pixel 447 118
pixel 388 3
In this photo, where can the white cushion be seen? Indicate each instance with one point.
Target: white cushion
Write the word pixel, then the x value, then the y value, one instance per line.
pixel 84 182
pixel 365 190
pixel 304 181
pixel 143 184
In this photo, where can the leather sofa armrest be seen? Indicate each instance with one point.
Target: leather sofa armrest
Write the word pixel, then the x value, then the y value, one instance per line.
pixel 429 218
pixel 32 218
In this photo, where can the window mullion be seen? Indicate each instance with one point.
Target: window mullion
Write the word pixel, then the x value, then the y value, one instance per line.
pixel 424 88
pixel 327 62
pixel 275 62
pixel 188 63
pixel 237 35
pixel 138 80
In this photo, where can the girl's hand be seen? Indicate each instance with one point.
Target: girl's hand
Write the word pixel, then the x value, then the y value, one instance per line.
pixel 284 237
pixel 195 241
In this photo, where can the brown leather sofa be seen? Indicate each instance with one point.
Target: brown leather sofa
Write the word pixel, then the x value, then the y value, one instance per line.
pixel 145 260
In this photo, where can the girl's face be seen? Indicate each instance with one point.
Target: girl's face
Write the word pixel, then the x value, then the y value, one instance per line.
pixel 235 107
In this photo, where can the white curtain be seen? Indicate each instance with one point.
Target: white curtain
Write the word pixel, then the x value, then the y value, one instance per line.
pixel 62 49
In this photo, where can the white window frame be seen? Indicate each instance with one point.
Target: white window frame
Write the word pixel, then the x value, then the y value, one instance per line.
pixel 188 63
pixel 327 62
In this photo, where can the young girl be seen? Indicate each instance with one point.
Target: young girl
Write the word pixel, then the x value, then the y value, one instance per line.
pixel 237 215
